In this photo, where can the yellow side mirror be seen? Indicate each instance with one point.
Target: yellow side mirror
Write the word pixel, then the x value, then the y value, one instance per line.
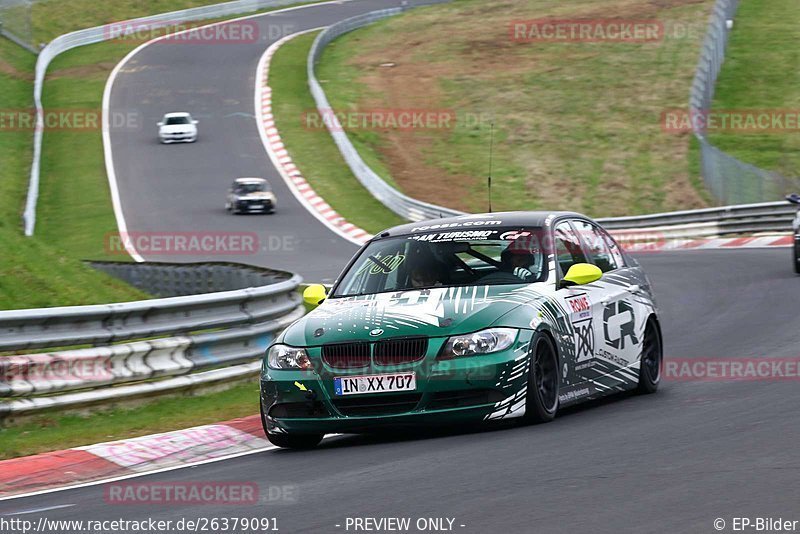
pixel 581 274
pixel 314 295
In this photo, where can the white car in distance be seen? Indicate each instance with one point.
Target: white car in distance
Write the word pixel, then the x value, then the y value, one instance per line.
pixel 177 127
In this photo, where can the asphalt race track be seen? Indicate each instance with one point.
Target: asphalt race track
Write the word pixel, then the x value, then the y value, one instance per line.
pixel 180 188
pixel 670 462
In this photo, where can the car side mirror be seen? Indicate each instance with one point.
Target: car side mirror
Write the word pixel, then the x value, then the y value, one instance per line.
pixel 314 295
pixel 581 274
pixel 194 122
pixel 160 123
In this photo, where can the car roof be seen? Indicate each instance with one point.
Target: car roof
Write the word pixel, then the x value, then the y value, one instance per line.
pixel 250 180
pixel 177 114
pixel 481 220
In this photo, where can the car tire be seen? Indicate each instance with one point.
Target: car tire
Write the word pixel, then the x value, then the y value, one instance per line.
pixel 652 359
pixel 295 441
pixel 541 402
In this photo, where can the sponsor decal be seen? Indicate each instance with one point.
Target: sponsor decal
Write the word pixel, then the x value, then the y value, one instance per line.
pixel 602 353
pixel 618 324
pixel 574 394
pixel 465 235
pixel 584 340
pixel 579 307
pixel 514 235
pixel 457 225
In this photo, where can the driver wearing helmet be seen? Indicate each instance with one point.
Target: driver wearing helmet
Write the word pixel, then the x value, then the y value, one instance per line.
pixel 520 258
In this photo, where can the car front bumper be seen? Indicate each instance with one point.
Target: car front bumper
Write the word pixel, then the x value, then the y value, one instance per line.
pixel 448 392
pixel 246 206
pixel 178 138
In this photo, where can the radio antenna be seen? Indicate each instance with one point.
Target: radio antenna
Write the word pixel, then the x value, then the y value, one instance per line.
pixel 491 162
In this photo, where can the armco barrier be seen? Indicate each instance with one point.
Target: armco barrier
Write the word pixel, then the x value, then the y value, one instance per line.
pixel 404 206
pixel 98 34
pixel 767 217
pixel 210 337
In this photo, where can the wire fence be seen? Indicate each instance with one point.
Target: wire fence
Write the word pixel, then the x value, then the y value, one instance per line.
pixel 729 180
pixel 16 23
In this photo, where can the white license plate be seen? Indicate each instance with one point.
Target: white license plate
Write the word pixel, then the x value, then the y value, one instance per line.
pixel 361 385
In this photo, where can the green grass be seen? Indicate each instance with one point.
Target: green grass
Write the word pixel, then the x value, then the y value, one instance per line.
pixel 48 432
pixel 36 272
pixel 313 150
pixel 75 203
pixel 761 73
pixel 577 125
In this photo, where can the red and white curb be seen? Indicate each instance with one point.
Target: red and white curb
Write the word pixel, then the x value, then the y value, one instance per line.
pixel 631 244
pixel 117 460
pixel 277 152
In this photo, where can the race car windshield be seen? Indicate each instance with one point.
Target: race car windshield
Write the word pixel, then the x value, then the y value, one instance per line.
pixel 251 188
pixel 172 121
pixel 497 256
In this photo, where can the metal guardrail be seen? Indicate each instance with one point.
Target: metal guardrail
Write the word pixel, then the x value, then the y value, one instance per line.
pixel 767 217
pixel 99 34
pixel 403 205
pixel 219 334
pixel 730 180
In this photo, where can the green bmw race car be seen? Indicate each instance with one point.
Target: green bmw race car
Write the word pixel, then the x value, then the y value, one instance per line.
pixel 465 319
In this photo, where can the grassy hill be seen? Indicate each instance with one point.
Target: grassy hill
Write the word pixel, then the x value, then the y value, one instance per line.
pixel 577 124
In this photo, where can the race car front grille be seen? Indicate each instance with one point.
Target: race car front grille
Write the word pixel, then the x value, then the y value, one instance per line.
pixel 399 351
pixel 378 405
pixel 346 355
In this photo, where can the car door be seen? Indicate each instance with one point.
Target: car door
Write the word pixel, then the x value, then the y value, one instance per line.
pixel 619 330
pixel 582 305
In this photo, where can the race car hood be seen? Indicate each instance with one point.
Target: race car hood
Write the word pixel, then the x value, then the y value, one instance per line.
pixel 178 128
pixel 436 312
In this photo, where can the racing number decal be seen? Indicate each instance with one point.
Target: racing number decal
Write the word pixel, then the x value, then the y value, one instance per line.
pixel 584 340
pixel 581 316
pixel 619 323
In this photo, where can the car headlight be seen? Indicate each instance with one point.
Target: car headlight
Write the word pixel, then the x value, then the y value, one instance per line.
pixel 483 342
pixel 286 357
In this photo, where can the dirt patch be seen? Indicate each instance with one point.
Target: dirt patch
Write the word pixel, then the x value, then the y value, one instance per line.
pixel 83 71
pixel 411 85
pixel 9 70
